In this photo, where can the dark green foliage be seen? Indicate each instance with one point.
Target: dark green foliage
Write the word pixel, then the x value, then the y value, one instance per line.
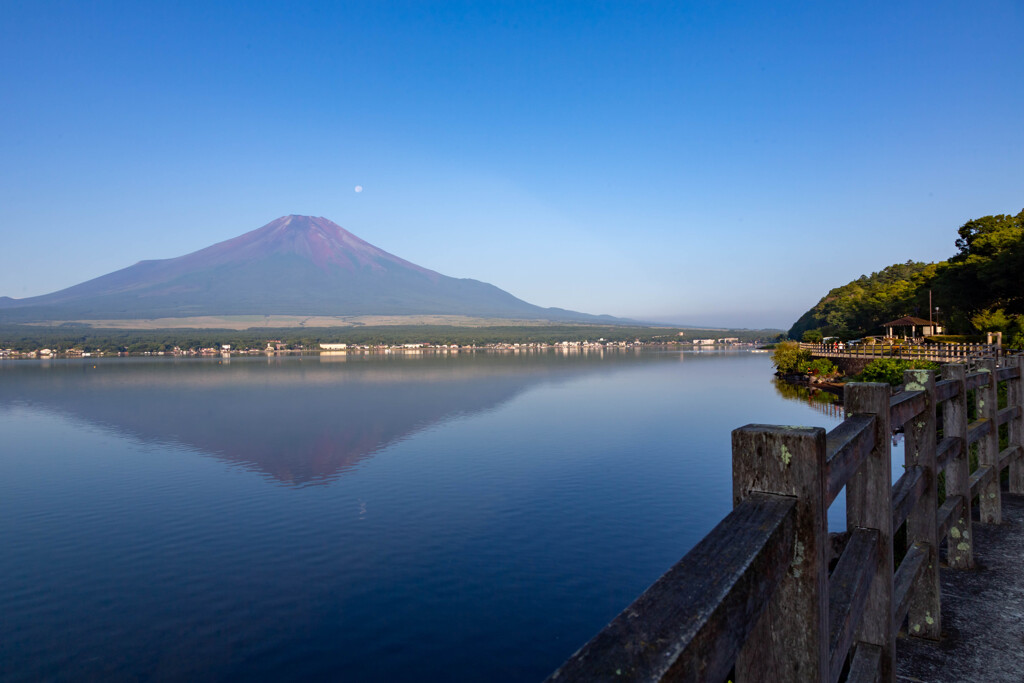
pixel 821 367
pixel 891 369
pixel 978 289
pixel 986 274
pixel 860 307
pixel 812 336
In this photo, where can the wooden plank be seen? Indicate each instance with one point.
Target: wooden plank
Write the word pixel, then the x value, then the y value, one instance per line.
pixel 946 389
pixel 691 622
pixel 790 641
pixel 904 406
pixel 990 504
pixel 981 478
pixel 866 665
pixel 1009 372
pixel 950 510
pixel 919 441
pixel 1008 413
pixel 848 594
pixel 975 380
pixel 869 506
pixel 948 449
pixel 978 430
pixel 847 446
pixel 905 493
pixel 958 475
pixel 1007 456
pixel 905 577
pixel 1015 397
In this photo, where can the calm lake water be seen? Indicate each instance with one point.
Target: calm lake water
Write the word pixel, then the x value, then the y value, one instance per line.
pixel 388 518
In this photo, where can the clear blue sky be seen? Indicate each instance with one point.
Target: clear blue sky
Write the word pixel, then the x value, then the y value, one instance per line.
pixel 715 163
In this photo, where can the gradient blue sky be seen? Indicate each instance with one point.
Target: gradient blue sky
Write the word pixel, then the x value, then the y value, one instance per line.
pixel 719 163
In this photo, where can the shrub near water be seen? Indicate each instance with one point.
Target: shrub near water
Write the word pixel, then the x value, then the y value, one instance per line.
pixel 788 356
pixel 821 367
pixel 891 370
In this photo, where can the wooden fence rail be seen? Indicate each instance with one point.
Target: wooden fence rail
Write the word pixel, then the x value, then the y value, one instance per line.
pixel 755 600
pixel 940 353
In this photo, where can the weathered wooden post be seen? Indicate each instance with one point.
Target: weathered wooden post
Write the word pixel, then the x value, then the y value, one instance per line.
pixel 922 528
pixel 1015 397
pixel 959 552
pixel 790 640
pixel 869 505
pixel 990 502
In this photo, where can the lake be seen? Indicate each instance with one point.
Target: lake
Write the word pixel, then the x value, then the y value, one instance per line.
pixel 382 518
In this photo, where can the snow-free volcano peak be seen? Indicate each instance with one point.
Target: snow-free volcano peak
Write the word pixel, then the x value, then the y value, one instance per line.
pixel 294 265
pixel 321 241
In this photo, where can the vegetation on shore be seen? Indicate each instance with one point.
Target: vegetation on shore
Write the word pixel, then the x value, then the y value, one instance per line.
pixel 890 370
pixel 979 289
pixel 789 359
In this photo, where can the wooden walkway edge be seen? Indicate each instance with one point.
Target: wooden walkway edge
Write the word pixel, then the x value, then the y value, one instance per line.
pixel 982 612
pixel 769 596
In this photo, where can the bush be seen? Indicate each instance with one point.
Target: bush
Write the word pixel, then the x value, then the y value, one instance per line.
pixel 821 367
pixel 788 356
pixel 891 370
pixel 812 336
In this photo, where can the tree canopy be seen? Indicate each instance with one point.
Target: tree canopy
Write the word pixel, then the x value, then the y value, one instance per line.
pixel 860 307
pixel 986 273
pixel 979 288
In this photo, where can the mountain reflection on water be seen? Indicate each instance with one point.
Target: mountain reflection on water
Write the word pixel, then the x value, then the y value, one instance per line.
pixel 300 420
pixel 372 518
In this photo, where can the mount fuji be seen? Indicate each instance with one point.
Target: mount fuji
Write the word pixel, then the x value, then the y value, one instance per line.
pixel 295 265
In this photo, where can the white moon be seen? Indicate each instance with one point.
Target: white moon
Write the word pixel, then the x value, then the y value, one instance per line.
pixel 359 188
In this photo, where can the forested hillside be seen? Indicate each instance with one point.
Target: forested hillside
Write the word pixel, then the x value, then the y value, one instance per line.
pixel 980 288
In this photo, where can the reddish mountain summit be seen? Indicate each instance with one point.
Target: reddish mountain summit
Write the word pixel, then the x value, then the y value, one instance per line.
pixel 295 265
pixel 319 240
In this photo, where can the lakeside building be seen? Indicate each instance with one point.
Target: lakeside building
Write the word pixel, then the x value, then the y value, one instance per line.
pixel 928 328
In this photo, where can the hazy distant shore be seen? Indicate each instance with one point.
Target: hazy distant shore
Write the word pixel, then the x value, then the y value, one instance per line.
pixel 78 339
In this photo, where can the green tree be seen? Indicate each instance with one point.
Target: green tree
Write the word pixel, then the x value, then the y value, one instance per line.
pixel 862 306
pixel 981 279
pixel 986 273
pixel 812 336
pixel 788 356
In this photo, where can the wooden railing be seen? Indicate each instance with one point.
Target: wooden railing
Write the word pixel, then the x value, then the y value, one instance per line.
pixel 755 600
pixel 942 353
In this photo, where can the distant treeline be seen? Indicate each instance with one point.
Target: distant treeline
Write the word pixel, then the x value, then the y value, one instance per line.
pixel 978 289
pixel 76 336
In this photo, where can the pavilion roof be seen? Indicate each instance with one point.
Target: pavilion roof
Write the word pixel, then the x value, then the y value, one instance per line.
pixel 907 321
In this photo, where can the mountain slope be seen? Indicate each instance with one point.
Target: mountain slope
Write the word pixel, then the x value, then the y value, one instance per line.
pixel 295 265
pixel 861 306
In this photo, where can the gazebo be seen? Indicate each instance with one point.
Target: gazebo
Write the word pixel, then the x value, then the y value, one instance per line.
pixel 927 326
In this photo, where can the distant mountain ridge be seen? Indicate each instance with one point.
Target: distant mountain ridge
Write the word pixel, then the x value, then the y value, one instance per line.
pixel 295 265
